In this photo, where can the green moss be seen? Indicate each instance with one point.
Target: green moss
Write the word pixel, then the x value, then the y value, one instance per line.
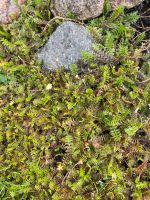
pixel 82 137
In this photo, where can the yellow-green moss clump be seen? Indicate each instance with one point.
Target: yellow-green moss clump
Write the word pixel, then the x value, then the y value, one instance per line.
pixel 79 134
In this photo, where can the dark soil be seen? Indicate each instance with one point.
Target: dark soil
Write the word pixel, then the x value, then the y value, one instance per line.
pixel 143 23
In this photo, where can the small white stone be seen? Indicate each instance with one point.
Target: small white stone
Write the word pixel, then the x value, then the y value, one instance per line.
pixel 49 86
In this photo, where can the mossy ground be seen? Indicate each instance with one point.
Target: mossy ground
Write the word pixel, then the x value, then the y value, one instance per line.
pixel 72 135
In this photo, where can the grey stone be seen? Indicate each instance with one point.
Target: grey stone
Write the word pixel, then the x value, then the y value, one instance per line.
pixel 65 46
pixel 82 9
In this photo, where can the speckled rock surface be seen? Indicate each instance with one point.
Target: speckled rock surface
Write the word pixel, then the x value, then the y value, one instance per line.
pixel 8 8
pixel 65 46
pixel 126 3
pixel 87 9
pixel 82 9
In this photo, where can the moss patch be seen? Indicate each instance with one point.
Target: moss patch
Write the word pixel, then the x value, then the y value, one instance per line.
pixel 74 135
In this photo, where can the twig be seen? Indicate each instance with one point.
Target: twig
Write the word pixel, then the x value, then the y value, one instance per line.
pixel 146 11
pixel 61 18
pixel 24 62
pixel 144 82
pixel 67 175
pixel 145 16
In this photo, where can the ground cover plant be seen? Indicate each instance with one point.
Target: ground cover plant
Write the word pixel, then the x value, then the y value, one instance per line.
pixel 78 134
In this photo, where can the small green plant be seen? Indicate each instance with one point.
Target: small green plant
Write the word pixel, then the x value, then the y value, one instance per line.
pixel 3 78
